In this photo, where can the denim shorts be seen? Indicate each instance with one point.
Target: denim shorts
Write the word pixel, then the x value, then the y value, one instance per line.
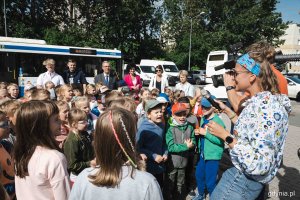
pixel 235 185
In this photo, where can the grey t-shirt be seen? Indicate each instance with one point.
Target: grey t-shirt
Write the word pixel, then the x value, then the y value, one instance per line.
pixel 142 186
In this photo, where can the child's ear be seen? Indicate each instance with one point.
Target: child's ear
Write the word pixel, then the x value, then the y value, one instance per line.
pixel 73 125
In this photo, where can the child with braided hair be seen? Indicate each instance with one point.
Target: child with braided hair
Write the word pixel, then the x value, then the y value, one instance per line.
pixel 119 172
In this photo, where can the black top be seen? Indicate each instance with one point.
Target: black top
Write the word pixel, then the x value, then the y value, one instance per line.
pixel 158 86
pixel 77 77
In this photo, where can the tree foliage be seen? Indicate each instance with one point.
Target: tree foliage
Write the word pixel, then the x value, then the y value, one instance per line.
pixel 139 28
pixel 224 23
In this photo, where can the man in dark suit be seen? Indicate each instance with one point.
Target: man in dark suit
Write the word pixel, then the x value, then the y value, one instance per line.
pixel 107 78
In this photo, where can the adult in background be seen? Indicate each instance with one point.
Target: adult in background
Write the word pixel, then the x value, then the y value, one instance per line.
pixel 73 75
pixel 159 80
pixel 107 78
pixel 256 149
pixel 132 80
pixel 183 85
pixel 49 75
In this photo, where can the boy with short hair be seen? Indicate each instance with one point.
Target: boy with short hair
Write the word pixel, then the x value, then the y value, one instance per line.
pixel 211 150
pixel 180 139
pixel 150 140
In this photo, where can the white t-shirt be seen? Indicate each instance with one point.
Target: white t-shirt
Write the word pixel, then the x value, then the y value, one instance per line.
pixel 47 76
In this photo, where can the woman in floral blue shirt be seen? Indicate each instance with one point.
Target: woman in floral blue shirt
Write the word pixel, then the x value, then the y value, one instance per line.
pixel 256 149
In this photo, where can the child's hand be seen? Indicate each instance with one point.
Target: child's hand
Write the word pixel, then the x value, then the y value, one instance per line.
pixel 158 159
pixel 189 143
pixel 93 163
pixel 143 156
pixel 202 131
pixel 165 158
pixel 197 131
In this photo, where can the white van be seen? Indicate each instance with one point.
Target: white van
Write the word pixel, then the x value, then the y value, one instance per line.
pixel 215 58
pixel 169 67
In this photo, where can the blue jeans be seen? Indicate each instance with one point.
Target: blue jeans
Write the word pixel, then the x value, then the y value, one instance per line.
pixel 206 175
pixel 235 185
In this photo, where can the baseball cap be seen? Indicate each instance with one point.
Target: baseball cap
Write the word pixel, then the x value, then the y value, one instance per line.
pixel 178 107
pixel 151 104
pixel 104 89
pixel 249 63
pixel 206 103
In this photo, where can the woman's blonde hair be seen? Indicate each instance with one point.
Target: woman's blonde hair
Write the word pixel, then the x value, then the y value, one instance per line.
pixel 49 61
pixel 114 145
pixel 183 73
pixel 263 53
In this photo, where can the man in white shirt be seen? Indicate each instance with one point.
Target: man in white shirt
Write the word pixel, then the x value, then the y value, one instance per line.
pixel 49 75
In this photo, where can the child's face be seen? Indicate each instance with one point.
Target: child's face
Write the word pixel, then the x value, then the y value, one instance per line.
pixel 13 91
pixel 68 94
pixel 55 123
pixel 77 93
pixel 3 93
pixel 50 86
pixel 145 94
pixel 4 127
pixel 85 106
pixel 64 112
pixel 180 117
pixel 155 115
pixel 207 110
pixel 91 91
pixel 81 125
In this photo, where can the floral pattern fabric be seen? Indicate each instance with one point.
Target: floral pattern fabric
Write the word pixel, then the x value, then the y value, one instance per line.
pixel 261 130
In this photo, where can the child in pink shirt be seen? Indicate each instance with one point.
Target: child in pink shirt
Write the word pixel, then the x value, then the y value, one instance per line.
pixel 41 169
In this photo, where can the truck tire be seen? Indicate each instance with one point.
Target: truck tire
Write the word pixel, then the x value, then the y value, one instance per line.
pixel 298 97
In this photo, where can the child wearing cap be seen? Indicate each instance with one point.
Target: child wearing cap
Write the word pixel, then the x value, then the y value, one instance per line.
pixel 150 140
pixel 211 150
pixel 180 139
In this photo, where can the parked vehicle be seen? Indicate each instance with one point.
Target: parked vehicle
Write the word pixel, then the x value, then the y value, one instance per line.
pixel 215 58
pixel 146 73
pixel 296 75
pixel 169 67
pixel 293 87
pixel 198 76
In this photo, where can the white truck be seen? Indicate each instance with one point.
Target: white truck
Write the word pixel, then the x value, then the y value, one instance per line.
pixel 170 70
pixel 215 58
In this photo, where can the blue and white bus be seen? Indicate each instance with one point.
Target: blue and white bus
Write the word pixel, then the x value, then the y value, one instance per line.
pixel 29 54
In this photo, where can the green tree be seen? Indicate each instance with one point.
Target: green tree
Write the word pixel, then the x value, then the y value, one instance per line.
pixel 224 23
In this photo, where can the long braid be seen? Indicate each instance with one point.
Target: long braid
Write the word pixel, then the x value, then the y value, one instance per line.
pixel 117 138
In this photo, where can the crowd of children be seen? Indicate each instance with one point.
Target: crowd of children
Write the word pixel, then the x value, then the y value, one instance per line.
pixel 101 142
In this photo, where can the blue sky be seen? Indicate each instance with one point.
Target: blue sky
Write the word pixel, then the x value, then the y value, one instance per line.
pixel 290 10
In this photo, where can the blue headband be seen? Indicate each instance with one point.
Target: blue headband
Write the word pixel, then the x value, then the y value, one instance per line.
pixel 249 63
